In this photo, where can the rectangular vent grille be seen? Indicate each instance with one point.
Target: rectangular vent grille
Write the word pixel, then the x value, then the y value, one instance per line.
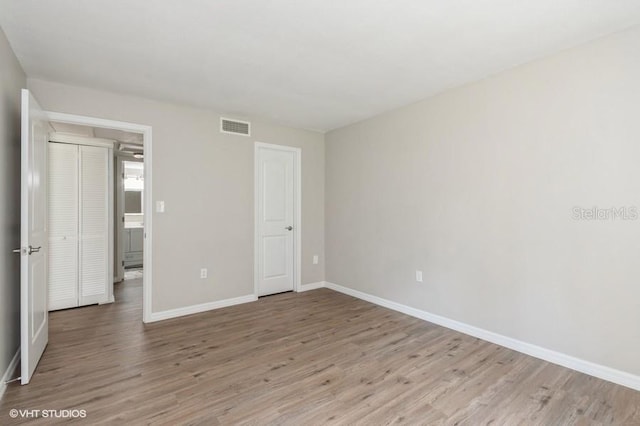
pixel 235 127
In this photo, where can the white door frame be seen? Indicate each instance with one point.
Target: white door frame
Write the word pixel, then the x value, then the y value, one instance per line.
pixel 297 214
pixel 118 184
pixel 147 283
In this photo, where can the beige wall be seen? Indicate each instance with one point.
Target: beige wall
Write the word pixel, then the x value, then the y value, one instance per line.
pixel 475 187
pixel 12 80
pixel 206 180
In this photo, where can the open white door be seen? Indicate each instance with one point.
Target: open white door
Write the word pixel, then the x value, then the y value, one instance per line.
pixel 34 322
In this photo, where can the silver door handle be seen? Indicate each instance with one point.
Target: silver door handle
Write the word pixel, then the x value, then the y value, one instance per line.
pixel 289 228
pixel 34 249
pixel 18 250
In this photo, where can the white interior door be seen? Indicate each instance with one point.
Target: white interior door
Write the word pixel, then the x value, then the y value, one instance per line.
pixel 63 225
pixel 34 323
pixel 275 216
pixel 95 260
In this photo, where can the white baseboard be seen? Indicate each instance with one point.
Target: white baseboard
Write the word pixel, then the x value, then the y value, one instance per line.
pixel 8 374
pixel 600 371
pixel 203 307
pixel 312 286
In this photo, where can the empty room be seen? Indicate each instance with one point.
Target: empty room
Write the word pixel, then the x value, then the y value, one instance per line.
pixel 318 212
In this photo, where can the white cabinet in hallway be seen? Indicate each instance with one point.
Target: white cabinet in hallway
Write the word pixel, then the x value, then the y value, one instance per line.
pixel 133 246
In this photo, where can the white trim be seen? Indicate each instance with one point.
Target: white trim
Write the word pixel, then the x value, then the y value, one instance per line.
pixel 256 219
pixel 312 286
pixel 110 203
pixel 298 225
pixel 147 280
pixel 297 214
pixel 131 146
pixel 118 221
pixel 600 371
pixel 13 365
pixel 237 121
pixel 80 140
pixel 127 156
pixel 203 307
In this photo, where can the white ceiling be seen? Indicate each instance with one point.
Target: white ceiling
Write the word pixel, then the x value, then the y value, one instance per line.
pixel 315 64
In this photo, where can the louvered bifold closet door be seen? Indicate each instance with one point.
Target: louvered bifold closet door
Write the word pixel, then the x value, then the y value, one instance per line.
pixel 63 226
pixel 94 224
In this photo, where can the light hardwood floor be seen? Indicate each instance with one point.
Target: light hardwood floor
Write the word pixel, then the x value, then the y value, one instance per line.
pixel 313 358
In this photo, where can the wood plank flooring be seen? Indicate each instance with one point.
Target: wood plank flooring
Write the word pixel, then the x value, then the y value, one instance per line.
pixel 312 358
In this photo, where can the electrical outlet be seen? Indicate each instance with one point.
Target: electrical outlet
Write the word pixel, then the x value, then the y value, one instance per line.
pixel 315 259
pixel 203 273
pixel 419 276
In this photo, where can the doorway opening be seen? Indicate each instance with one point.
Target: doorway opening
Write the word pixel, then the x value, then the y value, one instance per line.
pixel 130 217
pixel 130 189
pixel 95 215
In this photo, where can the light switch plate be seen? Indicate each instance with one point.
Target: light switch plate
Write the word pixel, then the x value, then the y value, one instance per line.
pixel 159 206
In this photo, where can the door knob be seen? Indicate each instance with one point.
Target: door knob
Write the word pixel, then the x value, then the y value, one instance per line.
pixel 34 249
pixel 289 228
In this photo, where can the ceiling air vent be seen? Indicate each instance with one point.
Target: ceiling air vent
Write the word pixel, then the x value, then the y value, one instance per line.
pixel 235 127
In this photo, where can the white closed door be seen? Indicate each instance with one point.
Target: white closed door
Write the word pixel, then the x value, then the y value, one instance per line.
pixel 275 216
pixel 95 267
pixel 63 226
pixel 34 316
pixel 79 224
